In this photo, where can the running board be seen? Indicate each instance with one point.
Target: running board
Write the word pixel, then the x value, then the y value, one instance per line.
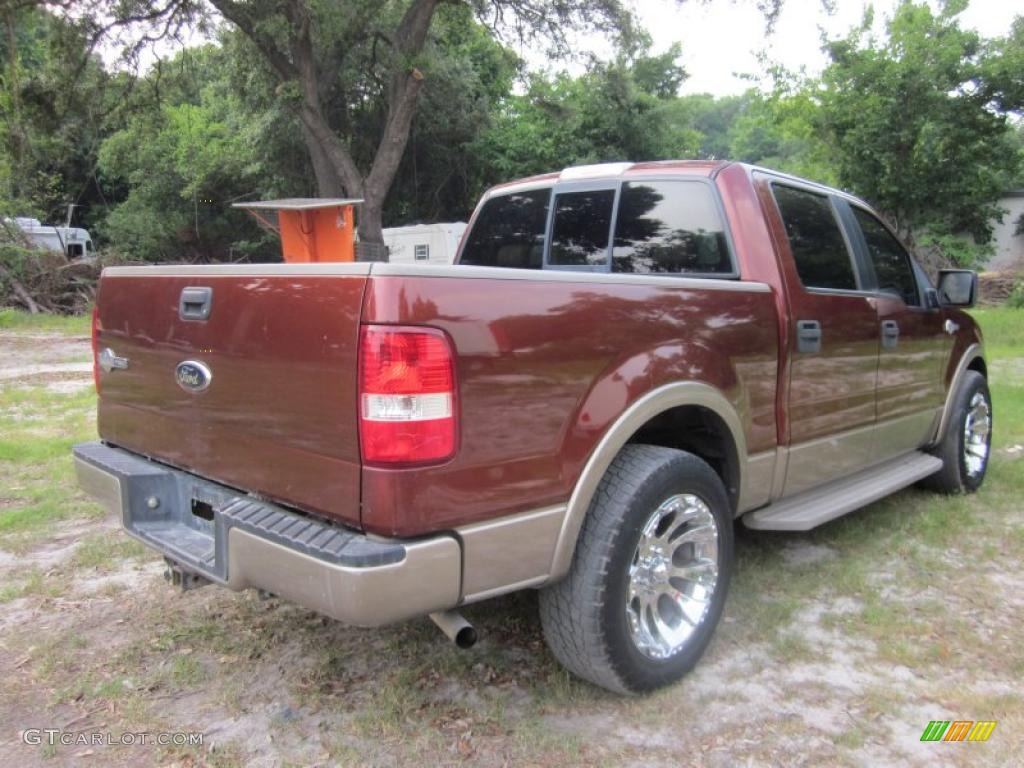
pixel 810 509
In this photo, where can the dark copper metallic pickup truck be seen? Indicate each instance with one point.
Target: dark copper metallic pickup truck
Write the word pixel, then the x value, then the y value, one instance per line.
pixel 624 359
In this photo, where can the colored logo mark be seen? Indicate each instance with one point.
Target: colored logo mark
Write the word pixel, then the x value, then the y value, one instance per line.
pixel 958 730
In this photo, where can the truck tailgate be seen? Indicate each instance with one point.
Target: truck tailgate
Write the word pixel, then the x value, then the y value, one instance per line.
pixel 278 417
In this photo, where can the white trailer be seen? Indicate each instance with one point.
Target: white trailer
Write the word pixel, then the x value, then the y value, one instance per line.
pixel 424 243
pixel 73 242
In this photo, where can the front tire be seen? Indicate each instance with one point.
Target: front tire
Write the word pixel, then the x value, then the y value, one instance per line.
pixel 649 576
pixel 967 443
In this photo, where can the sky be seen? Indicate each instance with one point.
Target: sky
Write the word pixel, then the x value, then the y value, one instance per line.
pixel 721 38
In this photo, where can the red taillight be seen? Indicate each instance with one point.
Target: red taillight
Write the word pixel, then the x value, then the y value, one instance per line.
pixel 407 402
pixel 96 347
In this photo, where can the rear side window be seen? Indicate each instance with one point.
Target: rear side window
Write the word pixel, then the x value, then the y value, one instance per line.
pixel 822 258
pixel 891 262
pixel 509 231
pixel 583 221
pixel 669 227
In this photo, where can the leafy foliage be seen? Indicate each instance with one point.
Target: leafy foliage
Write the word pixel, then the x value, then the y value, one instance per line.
pixel 918 122
pixel 182 161
pixel 620 110
pixel 58 103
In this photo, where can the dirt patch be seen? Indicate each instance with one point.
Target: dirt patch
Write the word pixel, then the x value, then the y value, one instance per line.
pixel 24 355
pixel 804 553
pixel 26 371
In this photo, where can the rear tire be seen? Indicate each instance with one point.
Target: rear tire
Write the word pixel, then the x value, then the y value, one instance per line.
pixel 967 443
pixel 649 576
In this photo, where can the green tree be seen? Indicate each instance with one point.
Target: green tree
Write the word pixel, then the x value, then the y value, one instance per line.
pixel 344 67
pixel 618 110
pixel 919 122
pixel 56 103
pixel 782 130
pixel 710 119
pixel 184 154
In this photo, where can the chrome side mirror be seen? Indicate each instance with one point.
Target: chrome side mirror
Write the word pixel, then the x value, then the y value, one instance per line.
pixel 958 287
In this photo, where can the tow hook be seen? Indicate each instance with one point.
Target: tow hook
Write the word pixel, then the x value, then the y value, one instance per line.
pixel 182 577
pixel 453 624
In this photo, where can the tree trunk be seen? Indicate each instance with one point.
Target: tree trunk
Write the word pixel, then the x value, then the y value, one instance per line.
pixel 17 136
pixel 328 183
pixel 332 161
pixel 371 232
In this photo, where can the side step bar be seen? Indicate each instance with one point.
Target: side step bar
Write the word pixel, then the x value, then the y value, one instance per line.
pixel 820 505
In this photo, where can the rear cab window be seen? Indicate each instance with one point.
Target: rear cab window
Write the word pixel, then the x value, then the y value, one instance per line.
pixel 670 227
pixel 509 231
pixel 663 227
pixel 581 228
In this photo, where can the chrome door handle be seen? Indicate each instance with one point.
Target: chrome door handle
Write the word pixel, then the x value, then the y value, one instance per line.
pixel 890 334
pixel 950 327
pixel 808 336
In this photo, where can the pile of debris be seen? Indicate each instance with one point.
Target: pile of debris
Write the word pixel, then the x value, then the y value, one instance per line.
pixel 45 281
pixel 996 287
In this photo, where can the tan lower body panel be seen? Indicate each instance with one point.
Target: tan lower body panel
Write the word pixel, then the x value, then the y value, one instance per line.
pixel 904 433
pixel 757 480
pixel 828 458
pixel 510 553
pixel 426 580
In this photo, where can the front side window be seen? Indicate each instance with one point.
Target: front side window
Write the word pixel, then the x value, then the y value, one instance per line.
pixel 819 249
pixel 891 262
pixel 579 236
pixel 509 231
pixel 669 227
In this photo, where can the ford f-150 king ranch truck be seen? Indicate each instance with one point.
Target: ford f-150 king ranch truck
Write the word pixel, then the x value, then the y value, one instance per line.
pixel 624 360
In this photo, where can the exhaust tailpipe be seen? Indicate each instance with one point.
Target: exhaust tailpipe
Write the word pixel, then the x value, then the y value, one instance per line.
pixel 459 631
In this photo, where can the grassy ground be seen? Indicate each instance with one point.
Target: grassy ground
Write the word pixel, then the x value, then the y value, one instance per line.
pixel 837 647
pixel 13 319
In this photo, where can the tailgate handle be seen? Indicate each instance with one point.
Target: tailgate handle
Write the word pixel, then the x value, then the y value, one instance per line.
pixel 196 303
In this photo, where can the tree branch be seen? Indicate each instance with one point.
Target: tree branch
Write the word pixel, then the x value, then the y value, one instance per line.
pixel 406 83
pixel 300 69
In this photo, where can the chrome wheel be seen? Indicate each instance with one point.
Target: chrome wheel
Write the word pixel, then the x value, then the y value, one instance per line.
pixel 977 427
pixel 672 575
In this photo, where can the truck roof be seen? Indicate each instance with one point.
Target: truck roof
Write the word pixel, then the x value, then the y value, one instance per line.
pixel 699 168
pixel 704 168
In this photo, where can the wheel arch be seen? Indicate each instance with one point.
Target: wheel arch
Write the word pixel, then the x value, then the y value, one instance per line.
pixel 973 359
pixel 648 418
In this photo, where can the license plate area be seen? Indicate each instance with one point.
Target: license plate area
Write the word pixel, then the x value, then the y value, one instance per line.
pixel 179 515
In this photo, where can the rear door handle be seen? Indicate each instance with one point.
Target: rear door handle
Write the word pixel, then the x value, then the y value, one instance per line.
pixel 808 336
pixel 890 334
pixel 195 303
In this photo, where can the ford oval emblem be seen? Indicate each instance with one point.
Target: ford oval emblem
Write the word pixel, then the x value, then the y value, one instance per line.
pixel 193 376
